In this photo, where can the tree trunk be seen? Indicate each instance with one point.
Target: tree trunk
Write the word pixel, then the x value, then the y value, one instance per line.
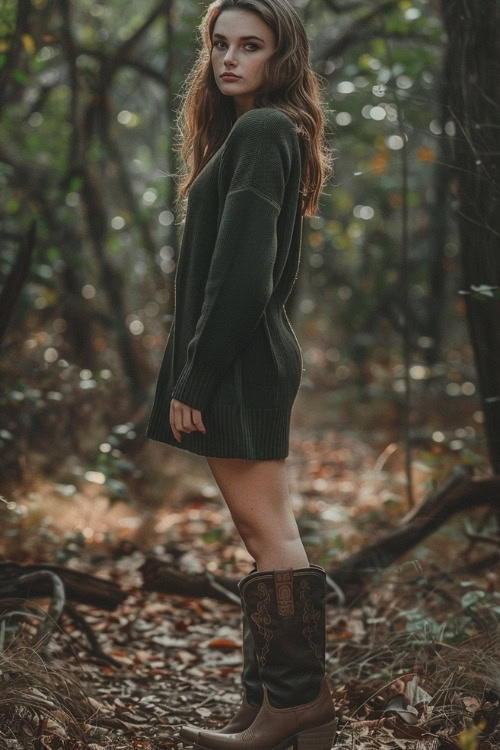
pixel 438 300
pixel 473 76
pixel 16 278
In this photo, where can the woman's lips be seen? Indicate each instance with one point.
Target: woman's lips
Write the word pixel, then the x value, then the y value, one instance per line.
pixel 231 77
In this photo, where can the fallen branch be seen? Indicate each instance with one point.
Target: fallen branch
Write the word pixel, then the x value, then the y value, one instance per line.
pixel 159 576
pixel 459 492
pixel 79 587
pixel 57 603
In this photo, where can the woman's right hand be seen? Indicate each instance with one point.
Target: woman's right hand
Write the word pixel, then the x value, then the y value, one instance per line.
pixel 184 418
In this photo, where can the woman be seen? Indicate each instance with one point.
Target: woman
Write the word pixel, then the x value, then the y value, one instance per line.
pixel 253 138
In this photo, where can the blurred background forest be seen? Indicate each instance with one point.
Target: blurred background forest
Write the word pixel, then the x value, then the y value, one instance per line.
pixel 396 307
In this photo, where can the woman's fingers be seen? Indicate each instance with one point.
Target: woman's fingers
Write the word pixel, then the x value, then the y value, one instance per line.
pixel 184 418
pixel 176 432
pixel 198 421
pixel 178 416
pixel 187 421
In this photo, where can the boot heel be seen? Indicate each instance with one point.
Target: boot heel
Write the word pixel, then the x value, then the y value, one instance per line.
pixel 319 738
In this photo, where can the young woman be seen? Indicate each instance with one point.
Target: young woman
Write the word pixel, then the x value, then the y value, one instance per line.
pixel 253 141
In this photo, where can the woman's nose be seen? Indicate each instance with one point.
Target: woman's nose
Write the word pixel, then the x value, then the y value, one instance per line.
pixel 229 56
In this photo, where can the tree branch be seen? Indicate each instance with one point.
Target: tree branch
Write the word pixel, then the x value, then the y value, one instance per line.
pixel 141 67
pixel 124 50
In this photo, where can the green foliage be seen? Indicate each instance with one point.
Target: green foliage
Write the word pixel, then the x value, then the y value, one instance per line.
pixel 214 535
pixel 480 609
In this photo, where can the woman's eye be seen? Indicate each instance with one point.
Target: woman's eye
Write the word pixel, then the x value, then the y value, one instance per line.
pixel 250 44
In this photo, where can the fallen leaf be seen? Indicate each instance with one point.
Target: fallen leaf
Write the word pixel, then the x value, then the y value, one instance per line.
pixel 223 643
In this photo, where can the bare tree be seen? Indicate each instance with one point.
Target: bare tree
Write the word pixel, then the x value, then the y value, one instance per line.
pixel 473 77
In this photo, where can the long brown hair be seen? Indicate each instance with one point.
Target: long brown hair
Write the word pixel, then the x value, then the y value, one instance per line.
pixel 206 115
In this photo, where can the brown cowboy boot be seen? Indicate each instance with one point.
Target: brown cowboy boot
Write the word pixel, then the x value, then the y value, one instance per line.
pixel 286 609
pixel 253 693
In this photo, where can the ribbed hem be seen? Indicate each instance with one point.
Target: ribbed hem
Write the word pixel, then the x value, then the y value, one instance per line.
pixel 233 431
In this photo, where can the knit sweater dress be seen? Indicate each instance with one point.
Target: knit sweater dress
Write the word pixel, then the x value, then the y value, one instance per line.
pixel 231 351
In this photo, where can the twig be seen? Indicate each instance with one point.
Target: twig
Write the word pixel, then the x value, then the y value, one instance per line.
pixel 97 651
pixel 477 537
pixel 232 597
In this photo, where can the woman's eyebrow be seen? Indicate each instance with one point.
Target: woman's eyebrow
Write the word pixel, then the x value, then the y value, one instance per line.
pixel 252 36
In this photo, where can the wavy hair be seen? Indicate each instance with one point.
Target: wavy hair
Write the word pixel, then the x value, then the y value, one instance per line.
pixel 206 115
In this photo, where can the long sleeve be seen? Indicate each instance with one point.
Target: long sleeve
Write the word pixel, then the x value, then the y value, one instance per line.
pixel 254 170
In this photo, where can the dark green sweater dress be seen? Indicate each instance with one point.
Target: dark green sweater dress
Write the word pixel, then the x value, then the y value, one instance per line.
pixel 231 351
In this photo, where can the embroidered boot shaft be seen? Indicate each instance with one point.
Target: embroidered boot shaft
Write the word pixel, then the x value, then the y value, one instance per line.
pixel 287 618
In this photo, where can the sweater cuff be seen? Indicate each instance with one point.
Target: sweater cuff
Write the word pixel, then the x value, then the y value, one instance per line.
pixel 195 390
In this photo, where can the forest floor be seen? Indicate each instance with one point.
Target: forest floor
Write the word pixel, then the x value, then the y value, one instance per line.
pixel 413 664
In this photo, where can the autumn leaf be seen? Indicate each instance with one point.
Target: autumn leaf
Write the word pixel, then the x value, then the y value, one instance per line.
pixel 223 643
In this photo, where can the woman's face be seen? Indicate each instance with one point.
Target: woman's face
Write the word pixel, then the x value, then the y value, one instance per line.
pixel 241 43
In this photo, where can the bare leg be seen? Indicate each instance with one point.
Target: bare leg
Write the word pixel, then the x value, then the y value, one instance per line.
pixel 256 493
